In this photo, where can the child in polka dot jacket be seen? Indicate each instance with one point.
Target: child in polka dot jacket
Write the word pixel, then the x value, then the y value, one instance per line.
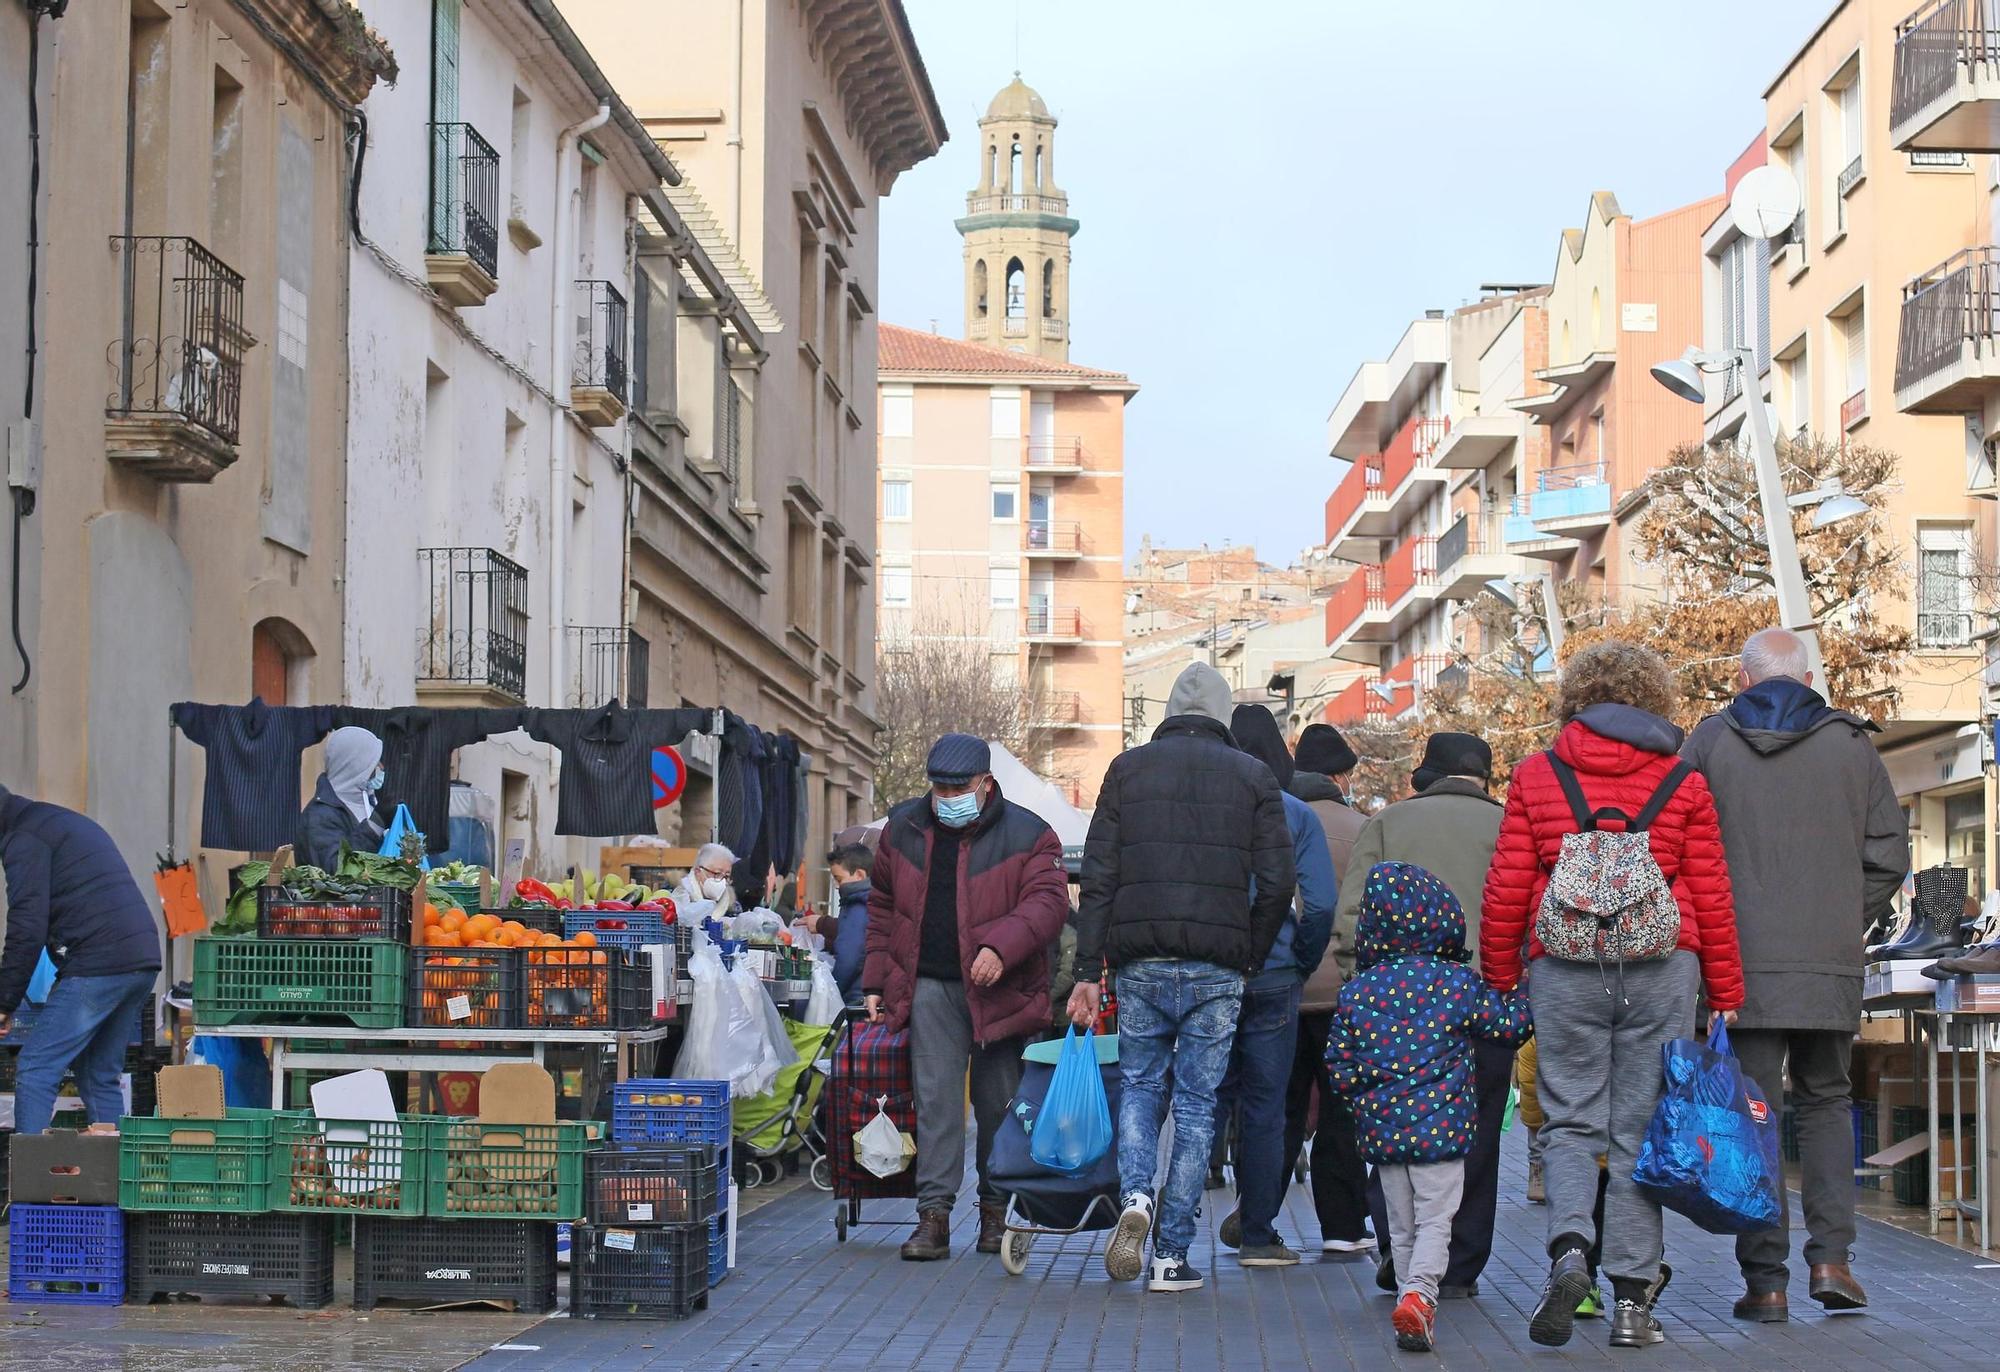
pixel 1401 1053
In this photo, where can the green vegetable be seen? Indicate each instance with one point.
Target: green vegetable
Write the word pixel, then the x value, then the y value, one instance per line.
pixel 240 915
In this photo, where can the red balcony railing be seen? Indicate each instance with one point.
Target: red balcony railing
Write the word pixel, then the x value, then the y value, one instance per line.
pixel 1353 705
pixel 1361 592
pixel 1412 565
pixel 1410 448
pixel 1362 478
pixel 1419 672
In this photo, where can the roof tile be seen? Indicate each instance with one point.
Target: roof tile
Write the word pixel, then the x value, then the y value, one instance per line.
pixel 914 350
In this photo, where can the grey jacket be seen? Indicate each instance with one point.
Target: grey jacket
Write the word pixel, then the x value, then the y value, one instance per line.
pixel 1817 846
pixel 1450 829
pixel 1342 825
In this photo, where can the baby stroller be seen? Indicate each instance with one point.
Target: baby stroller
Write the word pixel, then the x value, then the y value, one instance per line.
pixel 1041 1201
pixel 771 1128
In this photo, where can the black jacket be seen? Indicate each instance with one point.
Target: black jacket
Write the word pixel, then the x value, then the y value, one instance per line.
pixel 69 891
pixel 1182 825
pixel 325 824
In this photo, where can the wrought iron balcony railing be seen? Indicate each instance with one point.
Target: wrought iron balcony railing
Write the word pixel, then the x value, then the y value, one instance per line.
pixel 1053 537
pixel 476 624
pixel 603 665
pixel 179 350
pixel 1932 44
pixel 1948 306
pixel 465 195
pixel 599 359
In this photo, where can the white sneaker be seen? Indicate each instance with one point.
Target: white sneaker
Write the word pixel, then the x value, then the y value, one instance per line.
pixel 1360 1245
pixel 1174 1274
pixel 1125 1255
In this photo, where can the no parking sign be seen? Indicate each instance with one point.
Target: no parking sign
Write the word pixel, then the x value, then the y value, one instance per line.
pixel 669 777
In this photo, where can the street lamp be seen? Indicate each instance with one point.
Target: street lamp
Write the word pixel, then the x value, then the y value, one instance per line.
pixel 1684 377
pixel 1386 690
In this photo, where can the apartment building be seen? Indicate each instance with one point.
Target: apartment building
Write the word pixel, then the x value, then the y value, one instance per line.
pixel 1624 295
pixel 1735 304
pixel 1920 221
pixel 1395 513
pixel 184 535
pixel 754 550
pixel 1002 526
pixel 491 362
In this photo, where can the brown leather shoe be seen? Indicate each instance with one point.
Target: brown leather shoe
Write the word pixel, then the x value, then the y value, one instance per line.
pixel 932 1239
pixel 992 1226
pixel 1763 1307
pixel 1834 1287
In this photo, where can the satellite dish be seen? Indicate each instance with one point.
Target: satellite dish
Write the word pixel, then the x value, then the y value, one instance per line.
pixel 1765 203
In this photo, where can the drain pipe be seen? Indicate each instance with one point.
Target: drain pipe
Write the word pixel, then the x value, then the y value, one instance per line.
pixel 562 281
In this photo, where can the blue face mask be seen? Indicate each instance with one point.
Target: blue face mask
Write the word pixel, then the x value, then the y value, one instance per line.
pixel 375 782
pixel 956 811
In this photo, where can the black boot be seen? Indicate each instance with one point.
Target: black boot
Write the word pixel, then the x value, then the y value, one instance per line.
pixel 1934 924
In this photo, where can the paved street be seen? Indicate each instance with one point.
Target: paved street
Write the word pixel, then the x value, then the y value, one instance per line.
pixel 800 1302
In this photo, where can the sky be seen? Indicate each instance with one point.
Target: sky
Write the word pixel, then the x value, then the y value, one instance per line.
pixel 1270 192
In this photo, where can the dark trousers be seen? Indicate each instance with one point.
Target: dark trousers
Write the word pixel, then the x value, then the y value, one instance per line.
pixel 1821 1105
pixel 1260 1070
pixel 1472 1228
pixel 1339 1178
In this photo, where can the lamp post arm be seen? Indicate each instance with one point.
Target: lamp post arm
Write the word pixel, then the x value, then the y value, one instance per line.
pixel 1787 572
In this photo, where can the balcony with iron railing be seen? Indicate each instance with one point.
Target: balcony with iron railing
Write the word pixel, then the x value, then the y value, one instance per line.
pixel 176 366
pixel 1409 680
pixel 1356 613
pixel 1054 455
pixel 1383 491
pixel 462 260
pixel 598 369
pixel 1572 499
pixel 603 665
pixel 1468 557
pixel 1526 538
pixel 1052 538
pixel 1056 709
pixel 473 645
pixel 1054 624
pixel 1948 336
pixel 1353 704
pixel 1945 92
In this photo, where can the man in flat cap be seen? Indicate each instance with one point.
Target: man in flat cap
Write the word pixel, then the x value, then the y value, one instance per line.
pixel 969 895
pixel 1449 827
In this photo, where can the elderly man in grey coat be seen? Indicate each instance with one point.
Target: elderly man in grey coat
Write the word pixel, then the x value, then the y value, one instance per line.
pixel 1817 847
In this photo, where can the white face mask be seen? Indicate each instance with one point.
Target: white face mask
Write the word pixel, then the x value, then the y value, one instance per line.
pixel 714 888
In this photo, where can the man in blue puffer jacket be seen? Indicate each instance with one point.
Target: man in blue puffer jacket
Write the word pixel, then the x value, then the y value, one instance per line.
pixel 1401 1053
pixel 70 891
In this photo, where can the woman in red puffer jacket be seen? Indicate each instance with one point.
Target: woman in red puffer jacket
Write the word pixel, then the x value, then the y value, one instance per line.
pixel 1599 1028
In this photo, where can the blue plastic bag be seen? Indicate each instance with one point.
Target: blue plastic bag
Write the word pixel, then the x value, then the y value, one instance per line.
pixel 392 840
pixel 1711 1151
pixel 43 980
pixel 1073 1129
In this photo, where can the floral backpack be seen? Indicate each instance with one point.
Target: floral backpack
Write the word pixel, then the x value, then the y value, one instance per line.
pixel 1607 897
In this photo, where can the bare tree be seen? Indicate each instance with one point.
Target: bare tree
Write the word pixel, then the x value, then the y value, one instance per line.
pixel 939 678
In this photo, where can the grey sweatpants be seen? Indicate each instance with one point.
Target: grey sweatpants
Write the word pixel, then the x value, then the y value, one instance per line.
pixel 941 1052
pixel 1422 1200
pixel 1599 1078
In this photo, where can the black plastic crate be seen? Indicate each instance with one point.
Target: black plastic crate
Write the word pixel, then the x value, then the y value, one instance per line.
pixel 466 988
pixel 183 1253
pixel 651 1183
pixel 439 1262
pixel 543 919
pixel 638 1274
pixel 383 913
pixel 587 988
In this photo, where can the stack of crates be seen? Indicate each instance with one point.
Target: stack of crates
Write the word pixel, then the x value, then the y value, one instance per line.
pixel 659 1110
pixel 311 962
pixel 65 1233
pixel 480 1214
pixel 644 1251
pixel 202 1213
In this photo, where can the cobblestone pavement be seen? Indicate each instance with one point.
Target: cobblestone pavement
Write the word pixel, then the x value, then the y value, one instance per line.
pixel 799 1302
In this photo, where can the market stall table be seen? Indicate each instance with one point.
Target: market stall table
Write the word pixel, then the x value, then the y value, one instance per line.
pixel 535 1042
pixel 1963 1031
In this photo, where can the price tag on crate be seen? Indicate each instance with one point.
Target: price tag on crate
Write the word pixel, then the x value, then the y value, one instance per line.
pixel 458 1007
pixel 624 1240
pixel 640 1212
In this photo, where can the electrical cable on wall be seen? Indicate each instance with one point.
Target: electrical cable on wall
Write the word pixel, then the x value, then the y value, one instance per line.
pixel 24 496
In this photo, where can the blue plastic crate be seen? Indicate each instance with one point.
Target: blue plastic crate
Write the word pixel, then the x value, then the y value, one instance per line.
pixel 617 929
pixel 66 1254
pixel 718 1250
pixel 641 1114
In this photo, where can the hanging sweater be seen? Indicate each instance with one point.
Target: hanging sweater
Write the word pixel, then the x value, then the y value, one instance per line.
pixel 417 747
pixel 250 797
pixel 607 772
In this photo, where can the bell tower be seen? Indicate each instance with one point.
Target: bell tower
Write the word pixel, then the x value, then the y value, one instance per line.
pixel 1017 231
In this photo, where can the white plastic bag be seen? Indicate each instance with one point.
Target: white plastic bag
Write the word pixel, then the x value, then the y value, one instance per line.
pixel 760 924
pixel 759 1029
pixel 712 1049
pixel 880 1146
pixel 825 1005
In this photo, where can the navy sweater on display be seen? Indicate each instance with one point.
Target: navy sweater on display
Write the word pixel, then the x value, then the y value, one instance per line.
pixel 69 891
pixel 250 799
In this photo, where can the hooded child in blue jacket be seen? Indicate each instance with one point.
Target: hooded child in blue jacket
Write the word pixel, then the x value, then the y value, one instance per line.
pixel 1401 1053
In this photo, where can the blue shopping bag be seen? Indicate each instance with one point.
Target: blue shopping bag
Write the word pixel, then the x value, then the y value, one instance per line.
pixel 1711 1151
pixel 43 981
pixel 1073 1128
pixel 392 839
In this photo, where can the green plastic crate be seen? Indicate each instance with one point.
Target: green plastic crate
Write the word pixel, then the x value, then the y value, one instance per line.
pixel 465 893
pixel 370 1167
pixel 300 981
pixel 488 1171
pixel 199 1165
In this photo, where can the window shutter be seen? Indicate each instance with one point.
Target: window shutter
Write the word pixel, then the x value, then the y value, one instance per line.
pixel 1857 353
pixel 1850 120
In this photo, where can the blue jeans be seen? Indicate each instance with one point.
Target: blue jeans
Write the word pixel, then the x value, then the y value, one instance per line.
pixel 1174 1017
pixel 1253 1093
pixel 86 1024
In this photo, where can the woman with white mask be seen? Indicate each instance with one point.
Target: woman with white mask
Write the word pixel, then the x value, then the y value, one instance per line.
pixel 345 801
pixel 708 879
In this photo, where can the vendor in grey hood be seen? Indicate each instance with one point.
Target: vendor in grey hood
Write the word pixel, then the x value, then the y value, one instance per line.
pixel 345 803
pixel 1817 847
